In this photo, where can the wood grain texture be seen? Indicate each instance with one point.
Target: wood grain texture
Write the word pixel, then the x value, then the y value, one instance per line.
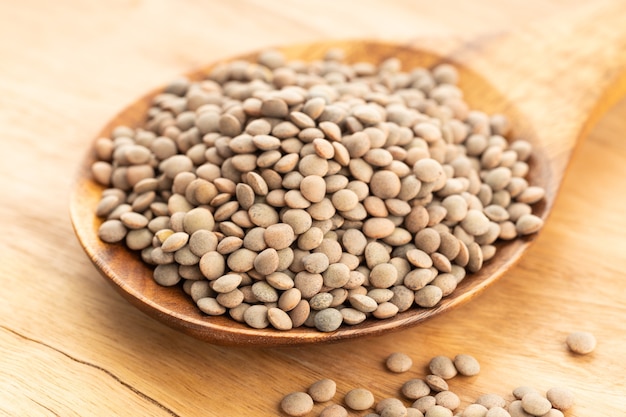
pixel 71 346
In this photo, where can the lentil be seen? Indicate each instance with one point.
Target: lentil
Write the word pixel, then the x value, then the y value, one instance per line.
pixel 112 231
pixel 522 390
pixel 438 411
pixel 424 403
pixel 359 399
pixel 491 400
pixel 581 342
pixel 443 367
pixel 256 316
pixel 297 404
pixel 398 362
pixel 475 410
pixel 561 398
pixel 328 320
pixel 323 390
pixel 279 319
pixel 352 315
pixel 553 413
pixel 497 412
pixel 436 383
pixel 428 296
pixel 394 410
pixel 535 404
pixel 515 409
pixel 466 365
pixel 334 410
pixel 448 399
pixel 210 306
pixel 415 388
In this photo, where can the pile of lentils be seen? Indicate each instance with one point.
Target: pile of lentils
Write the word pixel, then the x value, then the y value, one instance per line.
pixel 428 396
pixel 315 194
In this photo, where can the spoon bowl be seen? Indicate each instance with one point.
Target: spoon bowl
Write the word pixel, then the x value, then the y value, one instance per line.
pixel 132 278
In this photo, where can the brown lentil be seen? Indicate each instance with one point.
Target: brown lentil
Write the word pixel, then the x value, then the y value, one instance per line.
pixel 359 399
pixel 112 231
pixel 466 365
pixel 443 367
pixel 424 403
pixel 516 410
pixel 279 319
pixel 553 413
pixel 561 398
pixel 297 404
pixel 323 390
pixel 474 410
pixel 436 383
pixel 438 411
pixel 497 412
pixel 334 410
pixel 491 400
pixel 535 404
pixel 448 399
pixel 398 362
pixel 394 410
pixel 255 316
pixel 415 388
pixel 581 342
pixel 522 390
pixel 210 306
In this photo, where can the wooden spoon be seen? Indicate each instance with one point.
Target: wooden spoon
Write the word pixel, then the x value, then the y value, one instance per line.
pixel 553 81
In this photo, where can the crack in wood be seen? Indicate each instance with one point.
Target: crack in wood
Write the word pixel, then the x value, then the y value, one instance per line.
pixel 99 368
pixel 43 406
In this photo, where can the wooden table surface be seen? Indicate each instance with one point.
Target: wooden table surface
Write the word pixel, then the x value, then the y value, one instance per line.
pixel 71 346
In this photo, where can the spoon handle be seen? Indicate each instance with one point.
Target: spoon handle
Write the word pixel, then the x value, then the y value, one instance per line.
pixel 562 73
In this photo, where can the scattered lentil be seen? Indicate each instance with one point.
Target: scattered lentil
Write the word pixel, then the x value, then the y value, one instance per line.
pixel 553 413
pixel 581 342
pixel 466 365
pixel 415 388
pixel 561 398
pixel 297 404
pixel 424 403
pixel 387 403
pixel 475 410
pixel 334 410
pixel 497 412
pixel 448 399
pixel 399 362
pixel 395 409
pixel 535 404
pixel 323 390
pixel 491 400
pixel 436 383
pixel 522 390
pixel 359 399
pixel 438 411
pixel 515 409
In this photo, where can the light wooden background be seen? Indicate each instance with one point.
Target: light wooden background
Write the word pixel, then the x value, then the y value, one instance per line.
pixel 70 346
